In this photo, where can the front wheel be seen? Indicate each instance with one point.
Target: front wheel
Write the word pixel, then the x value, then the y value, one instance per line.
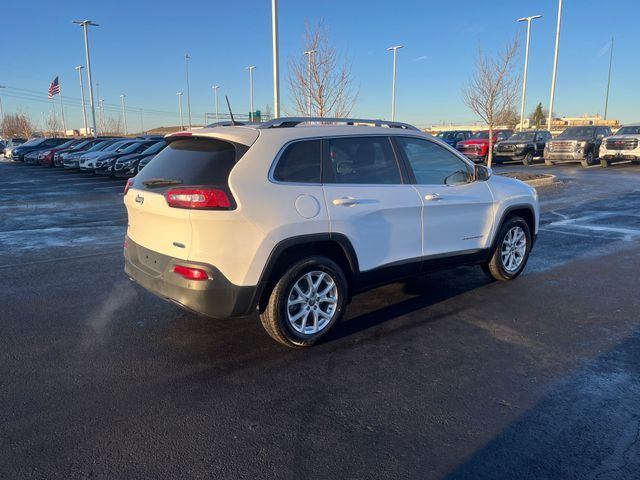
pixel 604 163
pixel 528 159
pixel 511 250
pixel 306 302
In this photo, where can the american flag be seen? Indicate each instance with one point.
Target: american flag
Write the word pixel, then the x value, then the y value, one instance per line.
pixel 54 88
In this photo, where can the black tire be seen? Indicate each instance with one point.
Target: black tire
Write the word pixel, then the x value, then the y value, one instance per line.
pixel 275 317
pixel 495 268
pixel 548 163
pixel 604 163
pixel 528 158
pixel 588 159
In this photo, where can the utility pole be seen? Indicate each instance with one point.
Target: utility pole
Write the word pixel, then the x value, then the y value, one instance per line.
pixel 186 66
pixel 606 102
pixel 84 109
pixel 141 123
pixel 250 68
pixel 124 113
pixel 64 124
pixel 1 115
pixel 393 86
pixel 215 94
pixel 85 24
pixel 179 94
pixel 526 65
pixel 276 58
pixel 309 53
pixel 555 65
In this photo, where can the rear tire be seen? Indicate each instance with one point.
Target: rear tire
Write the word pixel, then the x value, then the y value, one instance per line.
pixel 528 159
pixel 308 299
pixel 511 250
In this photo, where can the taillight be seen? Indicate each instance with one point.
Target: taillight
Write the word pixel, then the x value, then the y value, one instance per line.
pixel 198 198
pixel 128 185
pixel 191 273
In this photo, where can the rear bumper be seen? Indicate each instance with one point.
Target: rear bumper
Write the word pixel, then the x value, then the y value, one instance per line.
pixel 216 297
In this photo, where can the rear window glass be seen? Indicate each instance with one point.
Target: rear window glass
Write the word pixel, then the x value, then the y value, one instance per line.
pixel 192 161
pixel 300 163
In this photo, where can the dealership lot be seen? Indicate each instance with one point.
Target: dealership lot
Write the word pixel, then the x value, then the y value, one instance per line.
pixel 445 375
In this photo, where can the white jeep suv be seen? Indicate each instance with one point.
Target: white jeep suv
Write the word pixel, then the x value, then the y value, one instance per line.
pixel 293 216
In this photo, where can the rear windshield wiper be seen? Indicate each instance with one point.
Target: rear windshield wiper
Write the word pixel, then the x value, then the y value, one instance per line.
pixel 160 182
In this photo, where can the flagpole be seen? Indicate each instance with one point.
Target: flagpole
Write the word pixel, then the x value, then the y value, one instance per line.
pixel 64 125
pixel 54 120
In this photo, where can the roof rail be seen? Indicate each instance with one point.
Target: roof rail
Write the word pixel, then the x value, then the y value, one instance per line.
pixel 287 122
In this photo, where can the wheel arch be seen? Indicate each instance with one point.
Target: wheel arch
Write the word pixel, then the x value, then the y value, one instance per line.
pixel 525 211
pixel 335 246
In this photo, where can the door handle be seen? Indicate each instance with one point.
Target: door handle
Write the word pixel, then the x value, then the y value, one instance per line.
pixel 432 197
pixel 345 202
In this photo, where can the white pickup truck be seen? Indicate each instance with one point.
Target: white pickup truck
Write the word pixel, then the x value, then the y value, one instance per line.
pixel 624 145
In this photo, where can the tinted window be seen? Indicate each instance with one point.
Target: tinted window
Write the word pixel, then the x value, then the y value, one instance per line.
pixel 503 136
pixel 362 160
pixel 432 164
pixel 191 161
pixel 632 130
pixel 299 163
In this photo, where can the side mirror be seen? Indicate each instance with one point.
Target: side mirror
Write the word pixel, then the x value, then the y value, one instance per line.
pixel 482 173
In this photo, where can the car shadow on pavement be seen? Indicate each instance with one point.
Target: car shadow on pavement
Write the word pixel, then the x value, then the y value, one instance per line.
pixel 586 427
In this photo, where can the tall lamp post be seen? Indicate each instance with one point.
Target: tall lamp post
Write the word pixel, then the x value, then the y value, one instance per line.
pixel 606 101
pixel 84 109
pixel 215 94
pixel 186 67
pixel 526 65
pixel 1 115
pixel 85 24
pixel 124 113
pixel 276 59
pixel 393 86
pixel 555 65
pixel 179 94
pixel 309 53
pixel 250 68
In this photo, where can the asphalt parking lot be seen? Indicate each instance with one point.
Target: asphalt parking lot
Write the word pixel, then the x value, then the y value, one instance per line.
pixel 443 376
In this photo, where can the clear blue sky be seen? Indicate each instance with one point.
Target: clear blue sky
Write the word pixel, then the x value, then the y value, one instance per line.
pixel 139 46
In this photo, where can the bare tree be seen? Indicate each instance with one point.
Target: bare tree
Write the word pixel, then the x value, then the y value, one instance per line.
pixel 328 84
pixel 16 125
pixel 53 126
pixel 493 88
pixel 112 126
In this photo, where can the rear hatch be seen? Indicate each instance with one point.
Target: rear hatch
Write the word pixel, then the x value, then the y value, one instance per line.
pixel 191 173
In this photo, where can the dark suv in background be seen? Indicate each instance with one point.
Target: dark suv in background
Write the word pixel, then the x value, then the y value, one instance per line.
pixel 34 145
pixel 522 146
pixel 576 144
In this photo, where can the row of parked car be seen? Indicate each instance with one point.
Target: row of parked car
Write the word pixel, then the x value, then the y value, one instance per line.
pixel 113 156
pixel 584 144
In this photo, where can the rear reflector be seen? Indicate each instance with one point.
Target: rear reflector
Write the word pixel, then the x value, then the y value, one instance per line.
pixel 128 185
pixel 190 273
pixel 198 198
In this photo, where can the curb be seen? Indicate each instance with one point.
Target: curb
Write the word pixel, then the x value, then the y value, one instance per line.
pixel 541 182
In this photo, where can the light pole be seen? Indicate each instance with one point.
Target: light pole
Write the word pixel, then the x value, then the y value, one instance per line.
pixel 555 65
pixel 393 87
pixel 179 94
pixel 606 101
pixel 124 113
pixel 215 94
pixel 85 24
pixel 186 67
pixel 309 53
pixel 276 58
pixel 1 115
pixel 84 108
pixel 526 65
pixel 250 68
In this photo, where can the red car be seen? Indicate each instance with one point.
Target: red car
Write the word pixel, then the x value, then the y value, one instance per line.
pixel 45 157
pixel 476 148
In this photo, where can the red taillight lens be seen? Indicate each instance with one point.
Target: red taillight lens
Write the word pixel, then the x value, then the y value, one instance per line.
pixel 191 273
pixel 128 185
pixel 198 198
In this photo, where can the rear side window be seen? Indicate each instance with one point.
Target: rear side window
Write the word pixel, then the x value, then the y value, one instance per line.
pixel 191 161
pixel 361 160
pixel 299 163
